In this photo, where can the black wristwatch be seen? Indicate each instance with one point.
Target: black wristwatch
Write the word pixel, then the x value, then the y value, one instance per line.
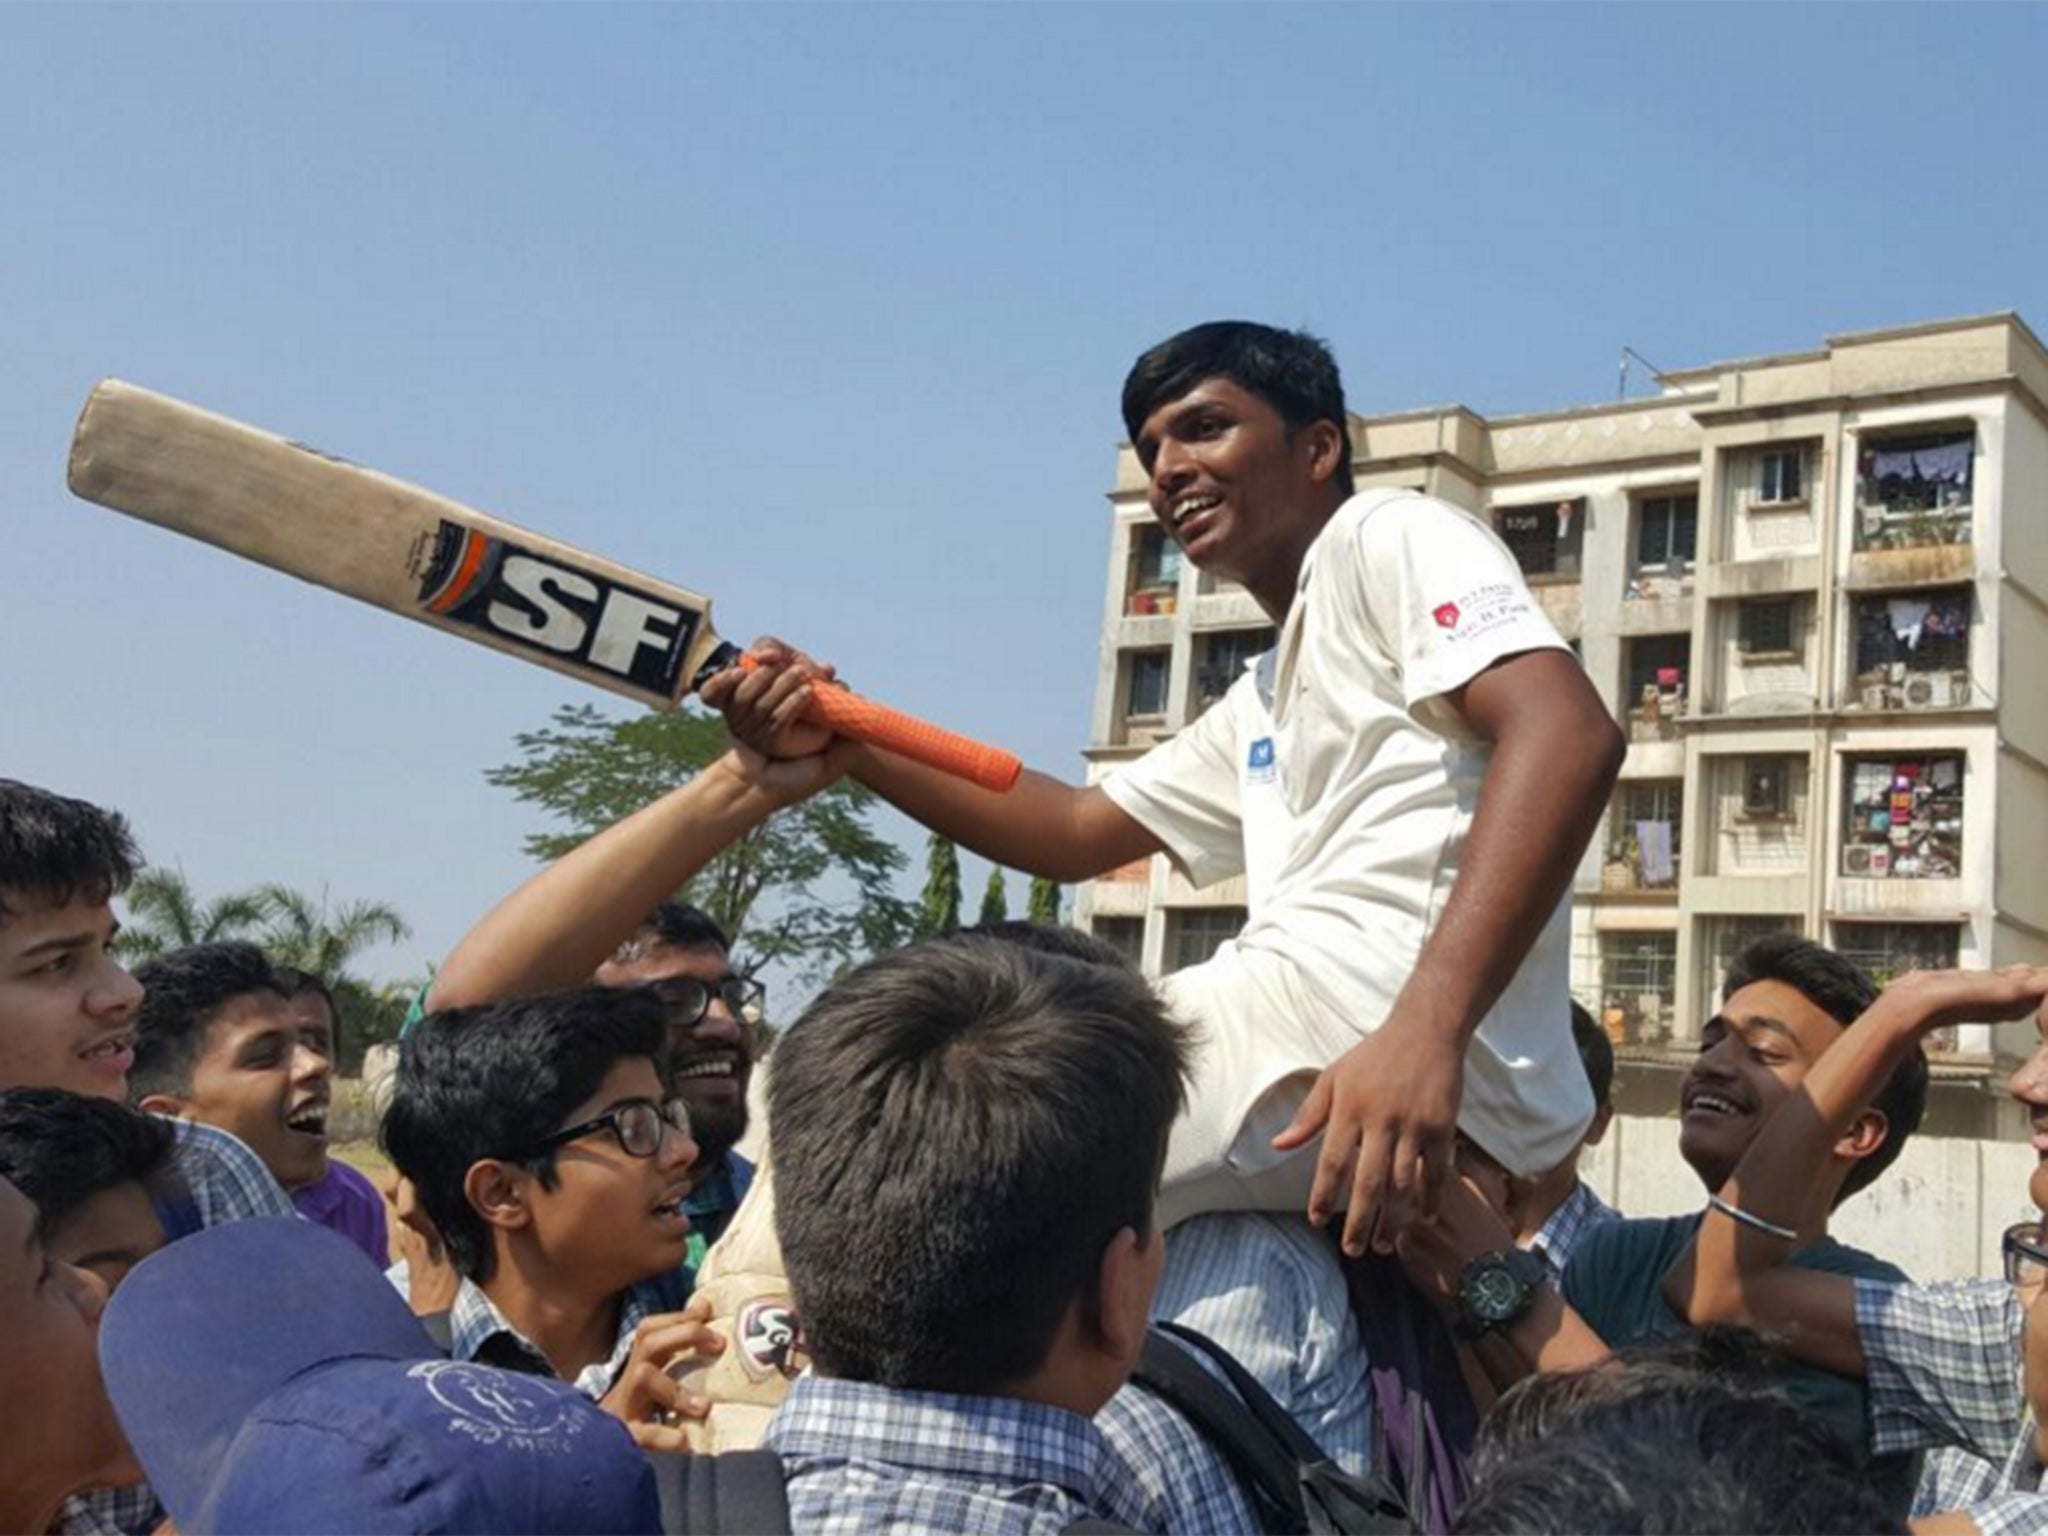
pixel 1495 1289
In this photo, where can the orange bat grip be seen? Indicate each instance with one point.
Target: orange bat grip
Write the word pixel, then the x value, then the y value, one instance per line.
pixel 851 715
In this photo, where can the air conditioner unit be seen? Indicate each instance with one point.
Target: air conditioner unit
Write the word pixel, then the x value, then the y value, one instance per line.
pixel 1865 861
pixel 1921 692
pixel 1876 696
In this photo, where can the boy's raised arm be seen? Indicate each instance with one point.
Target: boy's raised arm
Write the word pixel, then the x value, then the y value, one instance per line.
pixel 1735 1271
pixel 558 927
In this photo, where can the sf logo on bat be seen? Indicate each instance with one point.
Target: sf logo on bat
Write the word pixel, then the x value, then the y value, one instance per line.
pixel 541 604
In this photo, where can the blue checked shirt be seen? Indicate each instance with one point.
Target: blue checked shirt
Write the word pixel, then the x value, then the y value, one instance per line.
pixel 1580 1213
pixel 218 1180
pixel 475 1320
pixel 865 1459
pixel 1270 1290
pixel 1944 1369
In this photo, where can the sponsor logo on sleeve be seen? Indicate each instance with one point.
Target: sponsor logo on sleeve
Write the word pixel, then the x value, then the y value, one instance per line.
pixel 1261 765
pixel 1482 610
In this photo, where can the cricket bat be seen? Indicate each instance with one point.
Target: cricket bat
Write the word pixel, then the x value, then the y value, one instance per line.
pixel 372 537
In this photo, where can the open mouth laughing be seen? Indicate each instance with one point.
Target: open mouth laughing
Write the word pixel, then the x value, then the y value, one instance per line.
pixel 1711 1104
pixel 111 1054
pixel 309 1119
pixel 706 1068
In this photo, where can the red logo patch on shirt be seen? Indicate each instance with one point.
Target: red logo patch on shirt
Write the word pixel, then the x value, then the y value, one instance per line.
pixel 1447 616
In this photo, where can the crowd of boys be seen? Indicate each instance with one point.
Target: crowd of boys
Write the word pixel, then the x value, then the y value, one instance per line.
pixel 1038 1246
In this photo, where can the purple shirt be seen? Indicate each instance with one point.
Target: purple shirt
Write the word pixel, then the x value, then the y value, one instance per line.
pixel 348 1203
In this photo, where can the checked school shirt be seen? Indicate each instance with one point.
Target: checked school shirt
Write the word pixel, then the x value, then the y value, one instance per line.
pixel 864 1459
pixel 1944 1369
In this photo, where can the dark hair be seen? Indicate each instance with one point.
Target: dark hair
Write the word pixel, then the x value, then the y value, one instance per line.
pixel 182 992
pixel 54 849
pixel 1662 1444
pixel 1596 1053
pixel 960 1128
pixel 678 925
pixel 491 1081
pixel 1051 939
pixel 1843 990
pixel 61 1149
pixel 1291 371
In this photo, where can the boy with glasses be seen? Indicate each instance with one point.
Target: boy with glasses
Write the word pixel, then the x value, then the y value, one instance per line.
pixel 545 1145
pixel 1961 1364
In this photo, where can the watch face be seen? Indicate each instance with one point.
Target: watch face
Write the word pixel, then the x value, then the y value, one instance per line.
pixel 1496 1295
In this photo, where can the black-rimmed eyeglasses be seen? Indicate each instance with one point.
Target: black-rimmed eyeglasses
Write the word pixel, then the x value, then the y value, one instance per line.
pixel 2026 1254
pixel 636 1124
pixel 744 998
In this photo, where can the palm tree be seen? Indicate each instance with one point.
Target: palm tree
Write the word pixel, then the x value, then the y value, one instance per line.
pixel 164 914
pixel 300 931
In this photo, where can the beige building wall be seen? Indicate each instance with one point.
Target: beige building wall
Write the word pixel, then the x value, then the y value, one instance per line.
pixel 1729 568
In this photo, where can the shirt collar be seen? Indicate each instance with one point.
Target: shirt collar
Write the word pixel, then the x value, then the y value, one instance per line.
pixel 475 1320
pixel 997 1438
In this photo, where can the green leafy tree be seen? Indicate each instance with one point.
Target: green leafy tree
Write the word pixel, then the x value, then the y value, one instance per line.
pixel 163 914
pixel 995 899
pixel 767 890
pixel 938 909
pixel 1043 905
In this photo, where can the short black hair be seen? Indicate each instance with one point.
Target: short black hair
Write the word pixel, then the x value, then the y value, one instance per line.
pixel 1596 1053
pixel 1052 939
pixel 61 1149
pixel 1844 991
pixel 1291 371
pixel 1658 1444
pixel 492 1081
pixel 54 849
pixel 182 993
pixel 678 925
pixel 960 1128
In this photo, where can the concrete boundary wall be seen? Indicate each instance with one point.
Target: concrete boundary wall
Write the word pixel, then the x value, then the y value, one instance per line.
pixel 1937 1213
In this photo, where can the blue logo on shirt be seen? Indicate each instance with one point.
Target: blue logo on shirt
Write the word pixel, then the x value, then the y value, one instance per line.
pixel 1260 764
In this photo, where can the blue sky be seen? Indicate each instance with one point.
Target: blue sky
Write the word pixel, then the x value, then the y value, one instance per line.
pixel 823 310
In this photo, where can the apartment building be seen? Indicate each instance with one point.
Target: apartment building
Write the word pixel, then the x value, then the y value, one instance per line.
pixel 1814 589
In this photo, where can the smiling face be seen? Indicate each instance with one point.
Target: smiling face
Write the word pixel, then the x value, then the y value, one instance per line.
pixel 613 1219
pixel 67 1007
pixel 711 1062
pixel 1753 1055
pixel 1242 496
pixel 258 1079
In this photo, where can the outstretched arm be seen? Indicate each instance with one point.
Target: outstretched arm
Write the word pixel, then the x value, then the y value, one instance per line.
pixel 1735 1272
pixel 558 927
pixel 1388 1108
pixel 1041 826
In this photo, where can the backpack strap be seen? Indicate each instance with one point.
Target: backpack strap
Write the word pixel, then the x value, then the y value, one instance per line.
pixel 1278 1460
pixel 1265 1464
pixel 734 1493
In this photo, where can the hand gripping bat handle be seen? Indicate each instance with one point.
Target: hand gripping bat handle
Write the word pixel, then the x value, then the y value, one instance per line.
pixel 848 714
pixel 851 715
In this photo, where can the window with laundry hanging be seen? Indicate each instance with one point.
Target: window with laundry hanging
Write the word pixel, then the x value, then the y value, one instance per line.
pixel 1912 649
pixel 1545 538
pixel 1903 816
pixel 1915 490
